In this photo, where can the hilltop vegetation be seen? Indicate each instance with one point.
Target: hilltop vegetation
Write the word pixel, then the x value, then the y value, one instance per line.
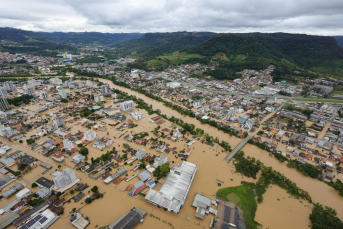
pixel 310 55
pixel 154 44
pixel 339 40
pixel 22 36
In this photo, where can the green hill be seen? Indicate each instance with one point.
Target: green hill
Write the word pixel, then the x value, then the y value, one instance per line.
pixel 90 37
pixel 339 40
pixel 21 36
pixel 154 44
pixel 311 55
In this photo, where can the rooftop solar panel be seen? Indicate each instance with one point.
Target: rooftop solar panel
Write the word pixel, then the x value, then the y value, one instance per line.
pixel 43 219
pixel 38 217
pixel 227 214
pixel 225 226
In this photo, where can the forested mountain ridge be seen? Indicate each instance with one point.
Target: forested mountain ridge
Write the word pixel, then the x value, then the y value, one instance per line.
pixel 153 44
pixel 310 55
pixel 305 50
pixel 21 36
pixel 339 40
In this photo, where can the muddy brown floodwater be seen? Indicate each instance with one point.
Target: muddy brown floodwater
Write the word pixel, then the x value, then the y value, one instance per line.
pixel 272 213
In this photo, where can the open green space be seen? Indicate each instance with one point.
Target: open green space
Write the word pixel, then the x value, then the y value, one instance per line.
pixel 246 201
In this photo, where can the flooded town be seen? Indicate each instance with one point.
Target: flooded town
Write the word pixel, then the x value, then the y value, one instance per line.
pixel 162 149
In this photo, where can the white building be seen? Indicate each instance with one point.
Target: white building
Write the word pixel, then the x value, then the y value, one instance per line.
pixel 136 116
pixel 103 142
pixel 99 98
pixel 62 93
pixel 57 121
pixel 9 86
pixel 89 83
pixel 55 81
pixel 3 92
pixel 176 134
pixel 173 84
pixel 68 145
pixel 64 178
pixel 78 158
pixel 23 193
pixel 4 106
pixel 127 106
pixel 134 73
pixel 6 131
pixel 43 95
pixel 89 135
pixel 140 154
pixel 105 89
pixel 78 221
pixel 160 160
pixel 29 92
pixel 249 124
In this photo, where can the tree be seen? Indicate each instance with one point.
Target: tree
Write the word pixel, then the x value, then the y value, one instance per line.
pixel 34 185
pixel 59 166
pixel 165 169
pixel 71 191
pixel 95 188
pixel 17 173
pixel 20 141
pixel 74 209
pixel 83 151
pixel 88 200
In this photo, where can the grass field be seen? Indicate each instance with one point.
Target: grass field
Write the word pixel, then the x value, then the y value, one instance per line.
pixel 317 100
pixel 240 57
pixel 177 58
pixel 245 198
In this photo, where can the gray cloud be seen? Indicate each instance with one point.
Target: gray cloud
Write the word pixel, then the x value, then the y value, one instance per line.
pixel 296 16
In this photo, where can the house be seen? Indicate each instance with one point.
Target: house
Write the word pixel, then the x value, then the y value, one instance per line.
pixel 78 158
pixel 144 176
pixel 43 192
pixel 129 220
pixel 78 221
pixel 203 205
pixel 161 148
pixel 176 135
pixel 102 143
pixel 89 135
pixel 59 156
pixel 23 193
pixel 44 183
pixel 188 151
pixel 62 134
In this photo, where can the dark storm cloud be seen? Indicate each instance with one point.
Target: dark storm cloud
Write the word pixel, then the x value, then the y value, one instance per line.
pixel 303 16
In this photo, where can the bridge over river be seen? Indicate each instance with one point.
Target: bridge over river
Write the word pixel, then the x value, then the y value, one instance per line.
pixel 237 148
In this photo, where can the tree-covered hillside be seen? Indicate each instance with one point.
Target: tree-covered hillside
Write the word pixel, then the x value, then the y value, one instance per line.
pixel 311 55
pixel 90 37
pixel 154 44
pixel 339 40
pixel 21 36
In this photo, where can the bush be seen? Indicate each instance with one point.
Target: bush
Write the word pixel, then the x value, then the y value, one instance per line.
pixel 20 141
pixel 88 200
pixel 83 151
pixel 95 188
pixel 219 184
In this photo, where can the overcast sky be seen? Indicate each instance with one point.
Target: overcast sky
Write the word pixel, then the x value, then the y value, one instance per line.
pixel 323 17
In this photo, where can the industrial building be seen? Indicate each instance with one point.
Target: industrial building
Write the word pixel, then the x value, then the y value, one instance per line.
pixel 175 188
